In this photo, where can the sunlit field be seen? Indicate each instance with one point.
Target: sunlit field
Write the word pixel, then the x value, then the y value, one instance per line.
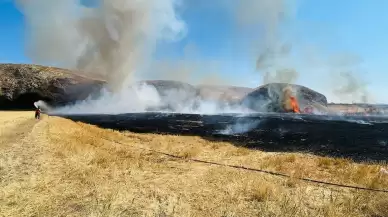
pixel 57 167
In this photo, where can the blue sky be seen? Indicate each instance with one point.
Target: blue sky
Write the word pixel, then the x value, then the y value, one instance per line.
pixel 327 28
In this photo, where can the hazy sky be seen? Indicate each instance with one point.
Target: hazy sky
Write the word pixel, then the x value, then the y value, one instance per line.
pixel 323 35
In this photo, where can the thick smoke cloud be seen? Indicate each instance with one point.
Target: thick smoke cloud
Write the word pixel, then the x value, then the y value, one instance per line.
pixel 112 40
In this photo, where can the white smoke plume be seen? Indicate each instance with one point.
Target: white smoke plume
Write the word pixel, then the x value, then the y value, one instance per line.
pixel 42 105
pixel 142 97
pixel 349 85
pixel 240 127
pixel 274 51
pixel 112 40
pixel 352 88
pixel 273 54
pixel 136 98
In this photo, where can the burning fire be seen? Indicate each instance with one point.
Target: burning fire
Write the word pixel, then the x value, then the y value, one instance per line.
pixel 294 105
pixel 290 103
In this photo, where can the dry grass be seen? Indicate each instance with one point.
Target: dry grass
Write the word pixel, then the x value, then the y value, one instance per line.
pixel 55 167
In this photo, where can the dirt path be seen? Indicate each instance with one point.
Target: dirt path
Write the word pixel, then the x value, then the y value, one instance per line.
pixel 15 128
pixel 18 156
pixel 14 145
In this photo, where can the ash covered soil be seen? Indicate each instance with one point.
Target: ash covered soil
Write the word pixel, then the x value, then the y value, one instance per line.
pixel 355 137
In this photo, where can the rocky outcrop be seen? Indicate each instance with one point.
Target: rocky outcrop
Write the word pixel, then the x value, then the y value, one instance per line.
pixel 23 84
pixel 269 97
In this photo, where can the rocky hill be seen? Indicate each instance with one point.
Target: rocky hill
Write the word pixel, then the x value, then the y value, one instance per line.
pixel 23 84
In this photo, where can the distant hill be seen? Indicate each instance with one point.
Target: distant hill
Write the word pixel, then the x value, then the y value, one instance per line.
pixel 23 84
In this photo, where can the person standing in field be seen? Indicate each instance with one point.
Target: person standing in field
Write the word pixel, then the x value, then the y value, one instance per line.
pixel 37 113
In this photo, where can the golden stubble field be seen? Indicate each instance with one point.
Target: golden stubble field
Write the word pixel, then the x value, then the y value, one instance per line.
pixel 56 167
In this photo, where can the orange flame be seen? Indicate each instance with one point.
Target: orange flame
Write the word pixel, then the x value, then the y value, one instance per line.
pixel 290 103
pixel 294 105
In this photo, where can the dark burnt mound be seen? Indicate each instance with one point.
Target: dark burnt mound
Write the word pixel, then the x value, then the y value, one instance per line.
pixel 269 97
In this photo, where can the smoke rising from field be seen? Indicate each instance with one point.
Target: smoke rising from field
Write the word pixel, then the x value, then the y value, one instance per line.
pixel 111 41
pixel 274 52
pixel 116 40
pixel 349 84
pixel 352 88
pixel 271 51
pixel 240 127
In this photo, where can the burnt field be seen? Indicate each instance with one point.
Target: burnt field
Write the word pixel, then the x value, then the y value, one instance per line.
pixel 355 137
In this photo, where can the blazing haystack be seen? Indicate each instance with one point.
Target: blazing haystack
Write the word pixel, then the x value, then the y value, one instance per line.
pixel 289 101
pixel 283 97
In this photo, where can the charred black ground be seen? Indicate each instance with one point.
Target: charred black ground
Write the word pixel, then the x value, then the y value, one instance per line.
pixel 358 138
